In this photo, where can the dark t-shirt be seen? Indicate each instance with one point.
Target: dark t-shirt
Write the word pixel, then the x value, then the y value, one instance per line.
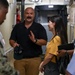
pixel 21 35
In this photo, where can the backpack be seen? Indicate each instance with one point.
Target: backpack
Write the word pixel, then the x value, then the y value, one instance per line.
pixel 62 63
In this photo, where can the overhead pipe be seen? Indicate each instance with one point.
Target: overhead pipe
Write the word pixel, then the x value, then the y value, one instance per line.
pixel 22 10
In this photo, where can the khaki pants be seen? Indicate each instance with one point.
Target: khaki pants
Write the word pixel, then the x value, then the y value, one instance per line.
pixel 28 66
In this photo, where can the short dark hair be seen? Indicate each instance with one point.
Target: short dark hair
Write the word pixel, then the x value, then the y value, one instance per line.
pixel 4 3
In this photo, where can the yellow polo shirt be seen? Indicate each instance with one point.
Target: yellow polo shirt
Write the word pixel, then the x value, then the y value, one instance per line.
pixel 52 47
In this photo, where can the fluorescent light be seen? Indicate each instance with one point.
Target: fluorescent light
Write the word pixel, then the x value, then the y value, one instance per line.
pixel 50 6
pixel 34 0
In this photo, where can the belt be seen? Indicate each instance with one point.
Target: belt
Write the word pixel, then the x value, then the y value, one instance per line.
pixel 26 57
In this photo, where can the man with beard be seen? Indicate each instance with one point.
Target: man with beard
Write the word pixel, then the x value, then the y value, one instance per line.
pixel 30 36
pixel 5 68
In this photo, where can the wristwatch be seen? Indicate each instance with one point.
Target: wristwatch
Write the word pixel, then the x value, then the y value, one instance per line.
pixel 35 40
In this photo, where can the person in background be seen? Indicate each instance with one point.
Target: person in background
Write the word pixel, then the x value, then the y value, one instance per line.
pixel 5 68
pixel 71 66
pixel 31 36
pixel 3 10
pixel 49 64
pixel 18 18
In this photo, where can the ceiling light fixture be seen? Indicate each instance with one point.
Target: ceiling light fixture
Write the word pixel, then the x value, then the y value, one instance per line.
pixel 34 0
